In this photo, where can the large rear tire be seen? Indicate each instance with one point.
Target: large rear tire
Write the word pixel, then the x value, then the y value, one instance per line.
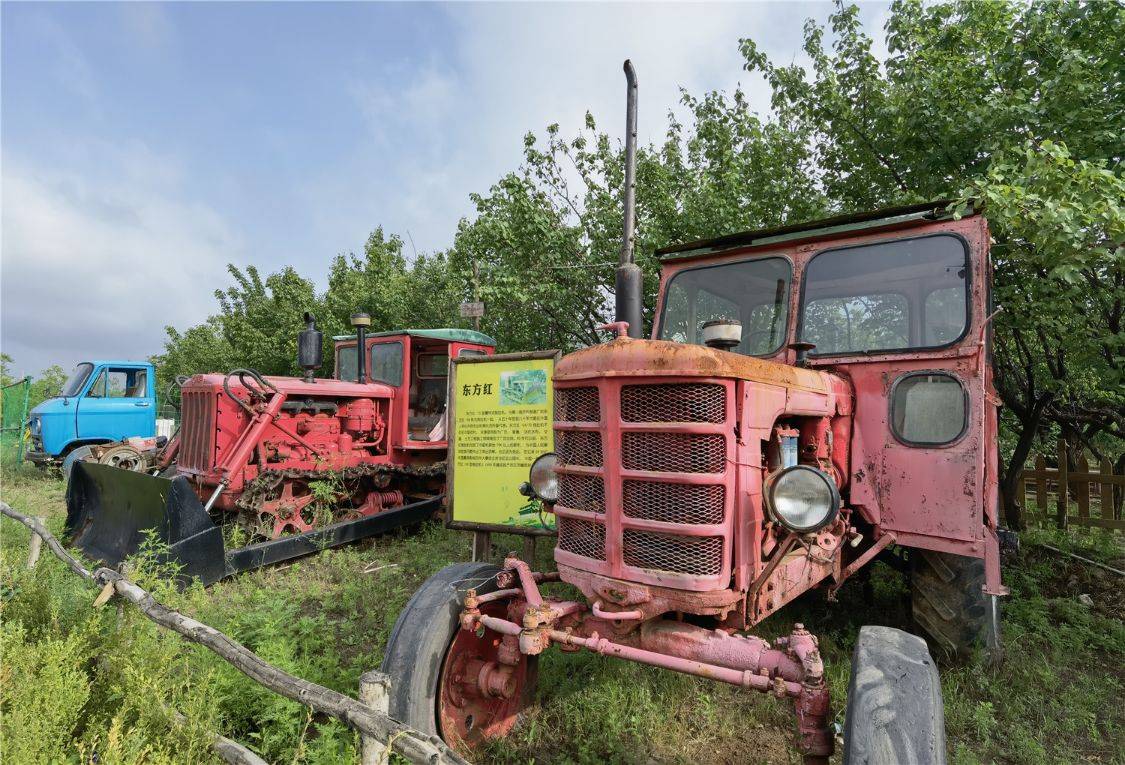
pixel 949 603
pixel 895 714
pixel 427 632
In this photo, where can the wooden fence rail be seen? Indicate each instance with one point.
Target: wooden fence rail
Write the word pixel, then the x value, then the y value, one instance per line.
pixel 370 718
pixel 1068 497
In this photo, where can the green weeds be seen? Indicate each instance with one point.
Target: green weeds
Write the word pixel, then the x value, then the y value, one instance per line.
pixel 77 682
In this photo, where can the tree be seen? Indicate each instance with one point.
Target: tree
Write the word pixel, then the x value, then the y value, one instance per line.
pixel 546 238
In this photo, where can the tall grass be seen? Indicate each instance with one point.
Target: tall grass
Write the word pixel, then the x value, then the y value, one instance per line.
pixel 78 682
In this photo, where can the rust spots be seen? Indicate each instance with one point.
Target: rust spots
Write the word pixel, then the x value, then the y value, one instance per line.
pixel 625 357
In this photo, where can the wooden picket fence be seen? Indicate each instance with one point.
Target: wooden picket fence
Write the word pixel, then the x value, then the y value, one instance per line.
pixel 1063 497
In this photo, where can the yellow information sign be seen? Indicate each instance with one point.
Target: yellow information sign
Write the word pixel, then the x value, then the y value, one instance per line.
pixel 501 419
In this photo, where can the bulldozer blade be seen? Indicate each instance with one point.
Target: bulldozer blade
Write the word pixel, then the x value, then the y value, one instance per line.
pixel 109 511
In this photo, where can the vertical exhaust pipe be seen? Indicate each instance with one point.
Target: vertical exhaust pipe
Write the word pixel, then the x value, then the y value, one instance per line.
pixel 361 322
pixel 629 282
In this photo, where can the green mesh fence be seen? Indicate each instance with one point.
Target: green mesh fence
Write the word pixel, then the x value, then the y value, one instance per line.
pixel 13 419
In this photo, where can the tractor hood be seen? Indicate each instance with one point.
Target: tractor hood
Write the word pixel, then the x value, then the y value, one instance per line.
pixel 626 357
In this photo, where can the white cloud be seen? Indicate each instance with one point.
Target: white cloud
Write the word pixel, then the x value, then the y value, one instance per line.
pixel 97 268
pixel 452 128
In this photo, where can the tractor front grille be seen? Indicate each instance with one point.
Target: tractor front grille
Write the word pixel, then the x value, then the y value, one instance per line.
pixel 197 431
pixel 646 491
pixel 582 538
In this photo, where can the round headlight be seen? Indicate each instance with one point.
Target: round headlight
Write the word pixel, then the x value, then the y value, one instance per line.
pixel 802 498
pixel 544 482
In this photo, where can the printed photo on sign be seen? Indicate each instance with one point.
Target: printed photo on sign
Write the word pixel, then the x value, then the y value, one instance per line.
pixel 527 387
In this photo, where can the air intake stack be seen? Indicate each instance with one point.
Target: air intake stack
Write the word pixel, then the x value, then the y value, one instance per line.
pixel 629 277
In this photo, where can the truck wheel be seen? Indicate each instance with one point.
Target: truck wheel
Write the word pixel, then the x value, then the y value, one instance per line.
pixel 949 603
pixel 76 454
pixel 429 657
pixel 895 714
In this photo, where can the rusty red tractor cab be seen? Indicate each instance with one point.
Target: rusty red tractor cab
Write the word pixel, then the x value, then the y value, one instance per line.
pixel 811 395
pixel 299 463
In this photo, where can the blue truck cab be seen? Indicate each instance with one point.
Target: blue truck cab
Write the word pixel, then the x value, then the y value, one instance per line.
pixel 101 401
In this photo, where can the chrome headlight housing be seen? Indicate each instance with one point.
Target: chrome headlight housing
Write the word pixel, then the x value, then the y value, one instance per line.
pixel 802 498
pixel 543 479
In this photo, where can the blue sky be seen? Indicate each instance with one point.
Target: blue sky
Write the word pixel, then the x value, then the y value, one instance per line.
pixel 144 146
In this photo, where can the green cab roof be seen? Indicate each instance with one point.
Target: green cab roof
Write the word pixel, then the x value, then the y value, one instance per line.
pixel 449 334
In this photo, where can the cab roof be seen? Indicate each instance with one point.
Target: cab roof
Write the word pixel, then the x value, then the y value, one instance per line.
pixel 448 334
pixel 839 224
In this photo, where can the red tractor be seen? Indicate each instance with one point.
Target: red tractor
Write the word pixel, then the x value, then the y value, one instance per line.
pixel 811 396
pixel 300 463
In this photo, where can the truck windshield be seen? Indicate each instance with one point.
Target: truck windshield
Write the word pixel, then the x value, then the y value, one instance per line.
pixel 889 296
pixel 383 359
pixel 77 379
pixel 754 292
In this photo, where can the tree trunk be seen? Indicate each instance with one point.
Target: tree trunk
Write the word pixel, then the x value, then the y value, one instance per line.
pixel 1009 481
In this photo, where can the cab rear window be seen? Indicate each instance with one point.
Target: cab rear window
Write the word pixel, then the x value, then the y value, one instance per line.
pixel 890 296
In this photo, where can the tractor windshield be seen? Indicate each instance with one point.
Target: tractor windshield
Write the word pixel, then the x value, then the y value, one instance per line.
pixel 905 294
pixel 384 363
pixel 753 292
pixel 73 385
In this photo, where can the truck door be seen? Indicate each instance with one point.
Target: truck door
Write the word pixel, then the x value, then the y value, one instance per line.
pixel 117 404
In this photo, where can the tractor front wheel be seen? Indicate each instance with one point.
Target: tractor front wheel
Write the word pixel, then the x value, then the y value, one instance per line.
pixel 895 713
pixel 459 685
pixel 949 603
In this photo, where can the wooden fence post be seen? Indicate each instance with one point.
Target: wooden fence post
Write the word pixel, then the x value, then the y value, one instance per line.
pixel 1106 489
pixel 482 546
pixel 1061 506
pixel 375 692
pixel 1041 487
pixel 36 545
pixel 1082 491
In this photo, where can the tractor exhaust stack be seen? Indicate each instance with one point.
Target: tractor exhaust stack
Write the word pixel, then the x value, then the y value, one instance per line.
pixel 629 278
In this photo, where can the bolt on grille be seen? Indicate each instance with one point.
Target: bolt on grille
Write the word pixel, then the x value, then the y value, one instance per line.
pixel 698 556
pixel 673 452
pixel 673 403
pixel 577 405
pixel 581 538
pixel 579 447
pixel 582 492
pixel 673 502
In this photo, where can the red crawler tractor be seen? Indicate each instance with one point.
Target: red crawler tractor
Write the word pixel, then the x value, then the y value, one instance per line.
pixel 301 464
pixel 811 395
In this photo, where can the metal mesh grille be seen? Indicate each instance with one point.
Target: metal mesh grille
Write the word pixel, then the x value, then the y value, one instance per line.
pixel 579 447
pixel 699 556
pixel 582 538
pixel 673 502
pixel 197 436
pixel 577 405
pixel 673 403
pixel 582 492
pixel 673 452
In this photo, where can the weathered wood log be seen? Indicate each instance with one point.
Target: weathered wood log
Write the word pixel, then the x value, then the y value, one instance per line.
pixel 36 545
pixel 230 751
pixel 375 692
pixel 411 744
pixel 53 544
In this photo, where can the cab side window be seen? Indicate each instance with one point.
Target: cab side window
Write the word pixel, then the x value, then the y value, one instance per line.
pixel 929 409
pixel 120 383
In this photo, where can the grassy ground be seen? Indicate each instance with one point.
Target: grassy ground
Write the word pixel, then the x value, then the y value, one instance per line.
pixel 77 682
